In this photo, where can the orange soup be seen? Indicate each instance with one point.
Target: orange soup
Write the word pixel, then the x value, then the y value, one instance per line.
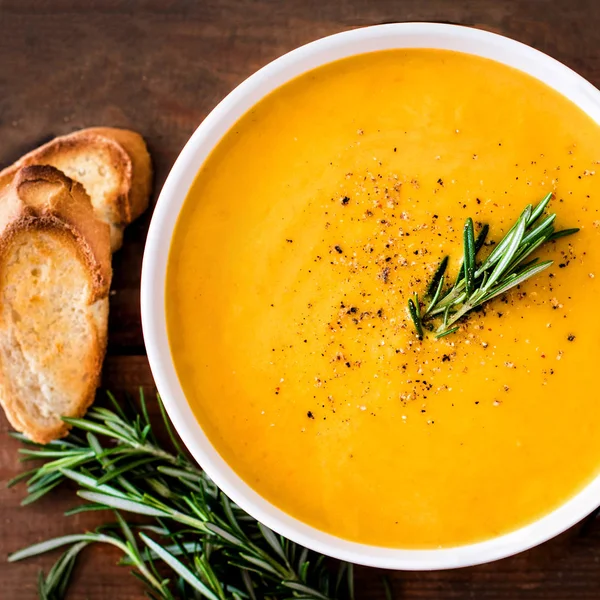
pixel 306 231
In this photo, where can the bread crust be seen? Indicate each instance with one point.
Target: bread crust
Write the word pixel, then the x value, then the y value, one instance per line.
pixel 138 194
pixel 43 199
pixel 129 157
pixel 17 414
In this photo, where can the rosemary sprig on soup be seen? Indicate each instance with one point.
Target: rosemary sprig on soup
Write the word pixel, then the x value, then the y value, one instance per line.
pixel 506 266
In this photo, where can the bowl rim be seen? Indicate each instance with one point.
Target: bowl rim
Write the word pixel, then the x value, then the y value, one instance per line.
pixel 168 206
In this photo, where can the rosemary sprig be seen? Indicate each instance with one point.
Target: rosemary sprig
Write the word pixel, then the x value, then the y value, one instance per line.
pixel 505 267
pixel 213 549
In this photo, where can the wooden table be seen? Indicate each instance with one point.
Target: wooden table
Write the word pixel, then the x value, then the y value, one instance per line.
pixel 159 66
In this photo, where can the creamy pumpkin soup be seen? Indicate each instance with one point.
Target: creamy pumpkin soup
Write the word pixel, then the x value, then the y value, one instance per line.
pixel 311 224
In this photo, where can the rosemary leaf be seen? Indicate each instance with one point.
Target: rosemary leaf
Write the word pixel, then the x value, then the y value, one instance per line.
pixel 300 587
pixel 446 332
pixel 511 249
pixel 469 256
pixel 416 318
pixel 496 254
pixel 516 280
pixel 434 284
pixel 34 496
pixel 178 567
pixel 273 541
pixel 481 237
pixel 479 242
pixel 538 211
pixel 436 295
pixel 139 508
pixel 563 233
pixel 46 546
pixel 125 468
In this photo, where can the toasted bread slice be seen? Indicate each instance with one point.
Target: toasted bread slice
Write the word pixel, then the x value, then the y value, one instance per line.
pixel 113 165
pixel 54 280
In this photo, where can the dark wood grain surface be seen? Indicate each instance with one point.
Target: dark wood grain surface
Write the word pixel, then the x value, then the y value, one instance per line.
pixel 159 67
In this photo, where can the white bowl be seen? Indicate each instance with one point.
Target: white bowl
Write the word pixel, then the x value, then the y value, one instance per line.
pixel 204 139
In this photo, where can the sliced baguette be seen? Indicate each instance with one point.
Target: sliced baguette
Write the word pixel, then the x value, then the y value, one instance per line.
pixel 55 276
pixel 113 165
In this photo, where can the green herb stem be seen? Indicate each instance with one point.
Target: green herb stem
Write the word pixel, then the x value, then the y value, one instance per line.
pixel 213 549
